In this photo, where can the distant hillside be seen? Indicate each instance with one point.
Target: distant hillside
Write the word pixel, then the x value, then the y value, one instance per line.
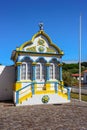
pixel 74 67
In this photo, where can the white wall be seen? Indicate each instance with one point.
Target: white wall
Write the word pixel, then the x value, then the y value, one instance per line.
pixel 7 79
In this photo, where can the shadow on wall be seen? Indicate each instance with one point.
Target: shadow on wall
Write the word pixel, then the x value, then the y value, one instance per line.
pixel 7 79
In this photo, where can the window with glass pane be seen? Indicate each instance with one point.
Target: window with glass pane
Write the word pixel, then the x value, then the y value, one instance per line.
pixel 23 71
pixel 56 72
pixel 38 71
pixel 51 71
pixel 28 71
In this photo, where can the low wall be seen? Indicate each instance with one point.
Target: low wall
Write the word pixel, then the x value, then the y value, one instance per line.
pixel 76 90
pixel 7 79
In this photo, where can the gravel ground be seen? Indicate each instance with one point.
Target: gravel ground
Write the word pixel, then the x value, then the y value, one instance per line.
pixel 71 116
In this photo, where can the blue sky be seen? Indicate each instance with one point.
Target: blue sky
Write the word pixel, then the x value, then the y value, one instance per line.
pixel 19 22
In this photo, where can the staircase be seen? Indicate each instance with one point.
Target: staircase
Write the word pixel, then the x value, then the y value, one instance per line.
pixel 27 96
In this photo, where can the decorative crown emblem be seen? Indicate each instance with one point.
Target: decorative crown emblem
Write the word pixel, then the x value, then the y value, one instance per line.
pixel 41 42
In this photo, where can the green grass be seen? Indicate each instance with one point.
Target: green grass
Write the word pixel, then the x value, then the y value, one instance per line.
pixel 76 96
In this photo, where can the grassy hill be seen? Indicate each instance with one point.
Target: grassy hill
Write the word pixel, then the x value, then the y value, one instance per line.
pixel 74 67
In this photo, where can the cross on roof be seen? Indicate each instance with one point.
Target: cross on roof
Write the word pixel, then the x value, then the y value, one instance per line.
pixel 41 26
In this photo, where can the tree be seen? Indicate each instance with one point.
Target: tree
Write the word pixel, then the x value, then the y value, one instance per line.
pixel 84 64
pixel 67 78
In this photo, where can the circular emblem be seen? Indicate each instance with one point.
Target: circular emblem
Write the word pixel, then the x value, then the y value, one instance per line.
pixel 41 42
pixel 45 99
pixel 41 49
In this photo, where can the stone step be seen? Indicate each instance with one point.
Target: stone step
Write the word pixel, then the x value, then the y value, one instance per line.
pixel 38 99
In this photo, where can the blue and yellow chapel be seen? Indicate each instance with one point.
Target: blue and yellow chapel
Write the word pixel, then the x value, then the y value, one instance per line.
pixel 38 66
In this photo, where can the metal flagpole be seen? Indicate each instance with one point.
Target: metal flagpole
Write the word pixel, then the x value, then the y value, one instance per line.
pixel 80 61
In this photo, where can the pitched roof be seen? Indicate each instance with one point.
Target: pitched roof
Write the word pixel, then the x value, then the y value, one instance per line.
pixel 85 71
pixel 76 75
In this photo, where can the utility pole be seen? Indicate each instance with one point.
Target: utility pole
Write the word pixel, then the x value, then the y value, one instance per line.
pixel 80 60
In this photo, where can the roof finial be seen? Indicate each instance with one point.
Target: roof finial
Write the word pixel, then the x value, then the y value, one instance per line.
pixel 41 26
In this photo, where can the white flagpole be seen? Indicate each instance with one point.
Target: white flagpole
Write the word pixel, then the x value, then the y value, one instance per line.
pixel 80 61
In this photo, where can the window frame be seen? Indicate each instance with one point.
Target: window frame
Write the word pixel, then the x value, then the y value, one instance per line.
pixel 41 72
pixel 56 71
pixel 53 71
pixel 26 71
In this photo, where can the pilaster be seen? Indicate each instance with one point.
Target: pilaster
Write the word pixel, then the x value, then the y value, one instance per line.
pixel 60 70
pixel 18 70
pixel 33 76
pixel 47 75
pixel 34 70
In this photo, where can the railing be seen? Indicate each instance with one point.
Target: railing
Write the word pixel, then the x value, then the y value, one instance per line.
pixel 17 92
pixel 33 89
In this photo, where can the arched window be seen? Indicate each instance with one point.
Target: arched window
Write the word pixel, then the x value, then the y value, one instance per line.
pixel 25 72
pixel 29 70
pixel 52 71
pixel 40 71
pixel 56 71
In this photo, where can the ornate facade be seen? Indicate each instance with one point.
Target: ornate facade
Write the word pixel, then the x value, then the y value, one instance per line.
pixel 38 65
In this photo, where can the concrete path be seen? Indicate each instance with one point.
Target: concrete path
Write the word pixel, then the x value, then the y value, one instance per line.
pixel 71 116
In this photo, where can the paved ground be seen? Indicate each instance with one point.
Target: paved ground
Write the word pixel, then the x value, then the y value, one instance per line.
pixel 72 116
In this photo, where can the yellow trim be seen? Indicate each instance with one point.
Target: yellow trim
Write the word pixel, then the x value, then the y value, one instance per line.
pixel 34 63
pixel 17 49
pixel 65 96
pixel 25 44
pixel 48 85
pixel 45 35
pixel 25 97
pixel 39 54
pixel 47 64
pixel 18 63
pixel 45 92
pixel 61 82
pixel 17 86
pixel 35 35
pixel 35 86
pixel 60 92
pixel 60 64
pixel 49 40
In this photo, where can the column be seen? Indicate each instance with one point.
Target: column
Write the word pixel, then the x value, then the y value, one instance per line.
pixel 60 69
pixel 68 89
pixel 18 70
pixel 17 97
pixel 33 77
pixel 47 69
